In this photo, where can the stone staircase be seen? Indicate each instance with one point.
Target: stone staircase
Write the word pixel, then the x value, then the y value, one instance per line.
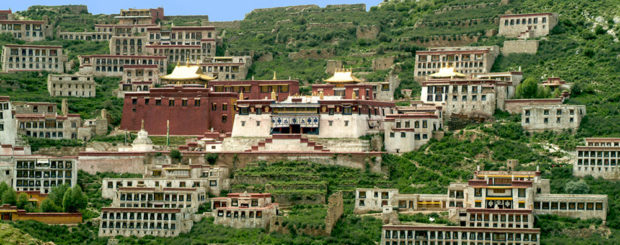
pixel 287 143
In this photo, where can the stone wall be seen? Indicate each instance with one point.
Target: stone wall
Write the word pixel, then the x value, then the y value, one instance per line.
pixel 382 63
pixel 335 208
pixel 311 54
pixel 225 24
pixel 332 65
pixel 367 32
pixel 520 47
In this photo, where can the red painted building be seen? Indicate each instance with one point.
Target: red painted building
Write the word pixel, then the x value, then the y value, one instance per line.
pixel 190 109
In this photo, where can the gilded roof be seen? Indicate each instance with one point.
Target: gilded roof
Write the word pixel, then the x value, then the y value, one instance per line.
pixel 343 76
pixel 187 72
pixel 447 72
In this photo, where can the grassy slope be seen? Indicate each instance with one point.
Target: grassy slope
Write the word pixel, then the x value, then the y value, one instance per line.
pixel 573 52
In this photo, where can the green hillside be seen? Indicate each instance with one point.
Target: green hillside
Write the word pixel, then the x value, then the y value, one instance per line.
pixel 302 38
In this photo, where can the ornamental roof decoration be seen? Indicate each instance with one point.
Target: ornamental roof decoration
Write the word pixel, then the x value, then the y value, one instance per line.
pixel 447 72
pixel 343 76
pixel 187 72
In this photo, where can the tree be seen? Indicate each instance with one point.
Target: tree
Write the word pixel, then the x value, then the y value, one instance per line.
pixel 577 187
pixel 57 195
pixel 74 200
pixel 527 89
pixel 22 200
pixel 3 187
pixel 48 205
pixel 9 197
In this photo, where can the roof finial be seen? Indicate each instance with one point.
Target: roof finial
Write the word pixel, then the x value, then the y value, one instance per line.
pixel 274 76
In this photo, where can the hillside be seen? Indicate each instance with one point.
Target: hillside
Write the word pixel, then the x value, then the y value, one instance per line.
pixel 297 41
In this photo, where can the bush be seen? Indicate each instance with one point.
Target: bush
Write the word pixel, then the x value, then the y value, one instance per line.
pixel 211 158
pixel 176 155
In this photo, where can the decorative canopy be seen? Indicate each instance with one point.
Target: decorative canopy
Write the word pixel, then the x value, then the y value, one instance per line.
pixel 447 72
pixel 343 76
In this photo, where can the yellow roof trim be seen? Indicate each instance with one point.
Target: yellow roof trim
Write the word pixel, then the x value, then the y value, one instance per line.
pixel 499 198
pixel 429 202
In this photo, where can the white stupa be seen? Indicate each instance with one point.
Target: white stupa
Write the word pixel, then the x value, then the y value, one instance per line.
pixel 142 142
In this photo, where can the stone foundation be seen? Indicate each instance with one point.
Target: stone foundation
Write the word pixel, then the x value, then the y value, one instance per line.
pixel 520 47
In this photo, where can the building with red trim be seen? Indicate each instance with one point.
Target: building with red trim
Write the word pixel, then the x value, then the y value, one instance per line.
pixel 493 205
pixel 411 127
pixel 4 14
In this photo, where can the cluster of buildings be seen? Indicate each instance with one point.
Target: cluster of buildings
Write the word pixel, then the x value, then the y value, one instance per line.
pixel 164 202
pixel 207 96
pixel 42 120
pixel 496 206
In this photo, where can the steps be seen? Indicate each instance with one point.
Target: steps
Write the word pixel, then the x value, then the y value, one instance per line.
pixel 287 143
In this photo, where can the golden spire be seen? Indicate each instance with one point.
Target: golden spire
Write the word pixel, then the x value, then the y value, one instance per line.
pixel 241 95
pixel 273 95
pixel 321 94
pixel 274 76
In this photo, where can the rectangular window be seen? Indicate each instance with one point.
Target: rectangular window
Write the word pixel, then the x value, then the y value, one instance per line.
pixel 224 118
pixel 170 102
pixel 196 102
pixel 403 135
pixel 184 103
pixel 214 106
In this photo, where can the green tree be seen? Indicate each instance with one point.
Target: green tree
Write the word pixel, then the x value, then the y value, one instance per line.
pixel 527 89
pixel 577 187
pixel 3 187
pixel 57 195
pixel 22 200
pixel 9 197
pixel 48 205
pixel 74 200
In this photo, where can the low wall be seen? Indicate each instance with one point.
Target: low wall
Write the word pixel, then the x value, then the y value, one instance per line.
pixel 51 218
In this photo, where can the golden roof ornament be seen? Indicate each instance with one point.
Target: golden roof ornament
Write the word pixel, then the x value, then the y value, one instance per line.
pixel 241 95
pixel 321 96
pixel 273 95
pixel 274 76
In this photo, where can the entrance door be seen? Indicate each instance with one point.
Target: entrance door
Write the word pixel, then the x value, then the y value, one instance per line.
pixel 295 129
